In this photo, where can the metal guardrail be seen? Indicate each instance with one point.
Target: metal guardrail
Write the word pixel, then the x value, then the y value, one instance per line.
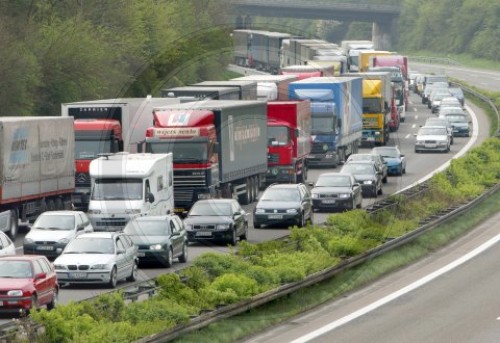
pixel 434 60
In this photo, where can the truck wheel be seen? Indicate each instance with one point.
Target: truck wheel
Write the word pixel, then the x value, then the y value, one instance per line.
pixel 245 197
pixel 256 184
pixel 59 204
pixel 13 225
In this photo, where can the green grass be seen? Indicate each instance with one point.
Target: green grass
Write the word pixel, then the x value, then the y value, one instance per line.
pixel 464 59
pixel 256 320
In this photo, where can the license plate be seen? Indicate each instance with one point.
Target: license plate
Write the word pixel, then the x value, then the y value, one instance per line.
pixel 328 201
pixel 275 216
pixel 430 145
pixel 203 234
pixel 45 247
pixel 78 275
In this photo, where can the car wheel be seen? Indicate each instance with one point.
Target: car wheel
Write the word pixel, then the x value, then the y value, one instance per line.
pixel 169 258
pixel 184 256
pixel 133 274
pixel 380 191
pixel 234 239
pixel 113 278
pixel 384 180
pixel 34 304
pixel 244 236
pixel 257 226
pixel 55 298
pixel 302 220
pixel 404 170
pixel 360 205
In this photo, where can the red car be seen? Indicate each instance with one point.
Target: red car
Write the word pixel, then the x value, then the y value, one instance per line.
pixel 27 282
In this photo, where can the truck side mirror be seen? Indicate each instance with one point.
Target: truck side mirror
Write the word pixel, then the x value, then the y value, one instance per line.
pixel 150 198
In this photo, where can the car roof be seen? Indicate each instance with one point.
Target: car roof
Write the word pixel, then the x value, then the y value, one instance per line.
pixel 211 201
pixel 61 212
pixel 99 234
pixel 393 147
pixel 362 162
pixel 284 185
pixel 21 257
pixel 164 217
pixel 335 174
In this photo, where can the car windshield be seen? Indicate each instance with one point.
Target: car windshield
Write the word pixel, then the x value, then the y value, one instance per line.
pixel 15 269
pixel 281 194
pixel 334 181
pixel 433 131
pixel 117 189
pixel 393 153
pixel 54 222
pixel 360 157
pixel 147 228
pixel 447 110
pixel 211 209
pixel 356 168
pixel 90 245
pixel 456 118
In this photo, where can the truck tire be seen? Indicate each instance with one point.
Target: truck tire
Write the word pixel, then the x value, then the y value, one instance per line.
pixel 13 225
pixel 257 187
pixel 59 204
pixel 245 197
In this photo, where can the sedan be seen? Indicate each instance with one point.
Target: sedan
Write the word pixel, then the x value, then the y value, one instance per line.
pixel 26 283
pixel 159 238
pixel 98 257
pixel 284 204
pixel 379 162
pixel 460 124
pixel 367 175
pixel 52 230
pixel 432 138
pixel 7 247
pixel 336 191
pixel 217 220
pixel 396 161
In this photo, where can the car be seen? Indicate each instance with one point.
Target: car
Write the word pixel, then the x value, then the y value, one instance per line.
pixel 394 159
pixel 419 84
pixel 450 101
pixel 460 124
pixel 336 191
pixel 443 122
pixel 52 230
pixel 366 174
pixel 27 282
pixel 458 93
pixel 7 247
pixel 98 258
pixel 159 239
pixel 443 111
pixel 432 138
pixel 435 98
pixel 428 89
pixel 284 204
pixel 379 162
pixel 413 81
pixel 216 220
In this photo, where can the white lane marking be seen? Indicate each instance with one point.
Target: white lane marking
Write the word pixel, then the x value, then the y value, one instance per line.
pixel 414 126
pixel 335 324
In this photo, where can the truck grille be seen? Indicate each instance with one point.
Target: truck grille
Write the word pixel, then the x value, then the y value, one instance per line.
pixel 273 158
pixel 183 195
pixel 82 180
pixel 317 148
pixel 105 222
pixel 189 180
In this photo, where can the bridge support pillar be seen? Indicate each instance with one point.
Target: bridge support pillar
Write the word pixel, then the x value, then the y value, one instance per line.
pixel 381 35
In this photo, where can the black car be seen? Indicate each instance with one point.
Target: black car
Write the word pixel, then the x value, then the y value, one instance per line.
pixel 159 238
pixel 284 204
pixel 217 220
pixel 367 175
pixel 336 191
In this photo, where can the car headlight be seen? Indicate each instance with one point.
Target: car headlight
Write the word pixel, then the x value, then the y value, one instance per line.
pixel 188 227
pixel 325 147
pixel 315 196
pixel 15 293
pixel 28 241
pixel 63 241
pixel 60 267
pixel 260 210
pixel 223 226
pixel 368 182
pixel 156 247
pixel 344 195
pixel 94 212
pixel 291 210
pixel 99 266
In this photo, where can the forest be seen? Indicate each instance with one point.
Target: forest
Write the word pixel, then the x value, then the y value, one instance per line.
pixel 56 51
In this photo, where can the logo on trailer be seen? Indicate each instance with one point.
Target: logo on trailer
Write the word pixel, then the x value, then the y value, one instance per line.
pixel 178 119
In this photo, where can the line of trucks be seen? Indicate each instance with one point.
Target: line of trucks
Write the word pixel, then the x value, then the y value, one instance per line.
pixel 118 158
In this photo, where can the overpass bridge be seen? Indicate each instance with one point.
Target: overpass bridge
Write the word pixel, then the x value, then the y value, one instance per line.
pixel 383 17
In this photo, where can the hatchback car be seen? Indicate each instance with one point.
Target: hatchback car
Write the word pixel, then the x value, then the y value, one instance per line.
pixel 432 138
pixel 27 282
pixel 217 220
pixel 52 230
pixel 367 175
pixel 460 124
pixel 98 257
pixel 379 162
pixel 435 98
pixel 336 191
pixel 7 247
pixel 159 238
pixel 284 204
pixel 395 160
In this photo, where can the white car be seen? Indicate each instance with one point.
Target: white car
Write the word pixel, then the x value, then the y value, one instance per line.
pixel 98 257
pixel 6 245
pixel 52 230
pixel 432 138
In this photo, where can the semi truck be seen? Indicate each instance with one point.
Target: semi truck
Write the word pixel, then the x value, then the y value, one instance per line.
pixel 265 89
pixel 305 71
pixel 247 90
pixel 352 49
pixel 336 112
pixel 127 185
pixel 396 61
pixel 366 58
pixel 399 89
pixel 289 141
pixel 106 126
pixel 219 148
pixel 195 93
pixel 37 161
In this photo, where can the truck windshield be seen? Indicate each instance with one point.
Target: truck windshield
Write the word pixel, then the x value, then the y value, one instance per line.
pixel 117 189
pixel 372 105
pixel 322 124
pixel 88 149
pixel 277 135
pixel 182 151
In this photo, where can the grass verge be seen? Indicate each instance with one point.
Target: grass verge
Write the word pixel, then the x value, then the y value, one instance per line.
pixel 256 320
pixel 464 59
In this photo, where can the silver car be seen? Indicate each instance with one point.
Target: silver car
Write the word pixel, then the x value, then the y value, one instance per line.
pixel 432 138
pixel 98 257
pixel 7 247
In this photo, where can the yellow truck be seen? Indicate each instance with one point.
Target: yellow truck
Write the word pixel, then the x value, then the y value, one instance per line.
pixel 366 56
pixel 376 110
